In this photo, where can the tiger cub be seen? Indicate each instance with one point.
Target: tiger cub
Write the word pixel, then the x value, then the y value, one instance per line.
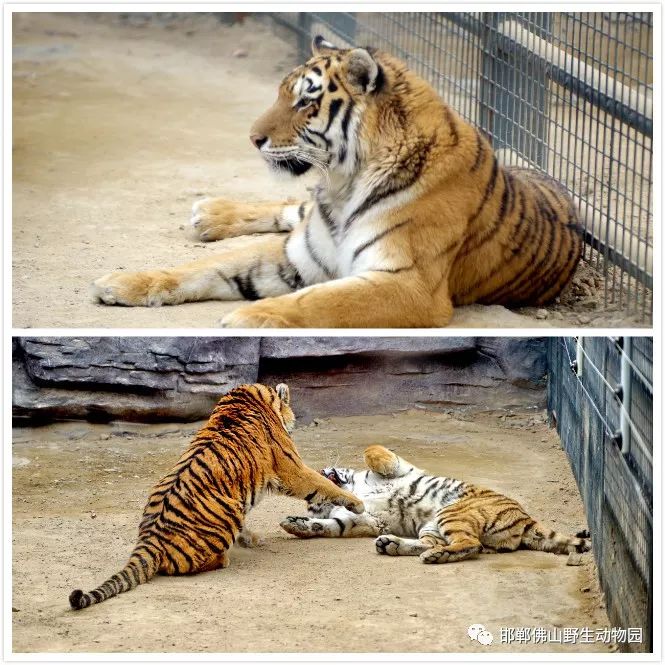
pixel 197 511
pixel 416 514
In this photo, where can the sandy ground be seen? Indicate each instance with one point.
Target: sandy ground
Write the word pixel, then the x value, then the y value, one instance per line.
pixel 119 126
pixel 79 489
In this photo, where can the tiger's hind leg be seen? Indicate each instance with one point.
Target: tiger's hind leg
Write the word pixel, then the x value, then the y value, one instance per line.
pixel 428 537
pixel 396 546
pixel 460 532
pixel 538 537
pixel 214 562
pixel 386 463
pixel 219 218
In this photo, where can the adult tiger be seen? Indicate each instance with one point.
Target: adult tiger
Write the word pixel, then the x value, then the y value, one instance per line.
pixel 416 514
pixel 413 213
pixel 197 511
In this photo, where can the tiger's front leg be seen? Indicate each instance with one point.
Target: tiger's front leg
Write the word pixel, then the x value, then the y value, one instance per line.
pixel 300 481
pixel 248 268
pixel 341 524
pixel 218 218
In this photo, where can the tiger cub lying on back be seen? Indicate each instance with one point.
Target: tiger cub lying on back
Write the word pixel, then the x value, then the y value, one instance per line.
pixel 416 514
pixel 413 213
pixel 197 511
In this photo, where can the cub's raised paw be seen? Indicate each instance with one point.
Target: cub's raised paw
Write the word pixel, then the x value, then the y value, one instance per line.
pixel 132 289
pixel 387 545
pixel 303 527
pixel 381 460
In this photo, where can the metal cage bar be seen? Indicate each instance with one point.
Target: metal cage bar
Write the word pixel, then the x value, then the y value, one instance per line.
pixel 600 393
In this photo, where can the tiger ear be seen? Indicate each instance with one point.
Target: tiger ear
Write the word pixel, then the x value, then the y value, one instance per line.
pixel 283 392
pixel 362 71
pixel 321 46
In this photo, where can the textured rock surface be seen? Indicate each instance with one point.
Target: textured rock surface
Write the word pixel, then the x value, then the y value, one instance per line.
pixel 455 376
pixel 293 347
pixel 167 378
pixel 144 378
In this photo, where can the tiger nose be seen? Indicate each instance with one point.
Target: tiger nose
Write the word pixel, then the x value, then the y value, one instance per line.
pixel 258 140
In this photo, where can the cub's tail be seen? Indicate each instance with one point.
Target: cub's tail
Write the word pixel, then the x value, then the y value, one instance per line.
pixel 143 565
pixel 539 537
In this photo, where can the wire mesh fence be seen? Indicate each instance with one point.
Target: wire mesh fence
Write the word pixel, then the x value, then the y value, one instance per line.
pixel 600 395
pixel 567 93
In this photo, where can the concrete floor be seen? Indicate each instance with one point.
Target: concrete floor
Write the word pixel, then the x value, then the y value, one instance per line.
pixel 79 490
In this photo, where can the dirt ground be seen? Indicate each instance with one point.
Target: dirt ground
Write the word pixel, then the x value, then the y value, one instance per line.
pixel 79 489
pixel 119 125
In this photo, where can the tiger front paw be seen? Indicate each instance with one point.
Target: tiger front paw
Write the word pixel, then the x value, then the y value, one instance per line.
pixel 257 315
pixel 134 289
pixel 387 545
pixel 302 527
pixel 216 219
pixel 354 505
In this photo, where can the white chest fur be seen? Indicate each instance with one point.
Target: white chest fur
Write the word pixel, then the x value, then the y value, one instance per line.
pixel 344 237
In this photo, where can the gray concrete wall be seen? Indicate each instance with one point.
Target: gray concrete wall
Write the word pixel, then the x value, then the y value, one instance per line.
pixel 180 378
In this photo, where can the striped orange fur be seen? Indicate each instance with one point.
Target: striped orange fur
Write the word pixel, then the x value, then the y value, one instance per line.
pixel 196 512
pixel 413 214
pixel 439 519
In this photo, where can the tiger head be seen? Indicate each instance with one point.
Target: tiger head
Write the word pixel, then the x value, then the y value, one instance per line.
pixel 338 476
pixel 282 408
pixel 315 120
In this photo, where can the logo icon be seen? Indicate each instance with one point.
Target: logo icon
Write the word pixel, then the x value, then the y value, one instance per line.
pixel 477 633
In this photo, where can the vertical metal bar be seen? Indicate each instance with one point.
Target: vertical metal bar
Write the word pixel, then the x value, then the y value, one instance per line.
pixel 515 78
pixel 490 22
pixel 579 356
pixel 304 34
pixel 626 385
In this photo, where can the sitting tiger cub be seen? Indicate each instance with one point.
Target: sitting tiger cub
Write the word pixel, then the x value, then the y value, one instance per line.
pixel 416 514
pixel 197 511
pixel 413 213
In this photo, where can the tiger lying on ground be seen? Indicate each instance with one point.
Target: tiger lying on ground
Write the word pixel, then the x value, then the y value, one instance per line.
pixel 416 514
pixel 412 214
pixel 197 511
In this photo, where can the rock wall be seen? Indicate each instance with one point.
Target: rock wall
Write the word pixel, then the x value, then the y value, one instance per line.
pixel 180 378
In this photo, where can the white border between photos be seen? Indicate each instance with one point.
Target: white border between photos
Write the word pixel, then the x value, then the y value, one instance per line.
pixel 8 331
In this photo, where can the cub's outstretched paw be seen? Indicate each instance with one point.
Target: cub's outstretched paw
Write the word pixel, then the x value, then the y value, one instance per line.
pixel 303 527
pixel 134 289
pixel 387 545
